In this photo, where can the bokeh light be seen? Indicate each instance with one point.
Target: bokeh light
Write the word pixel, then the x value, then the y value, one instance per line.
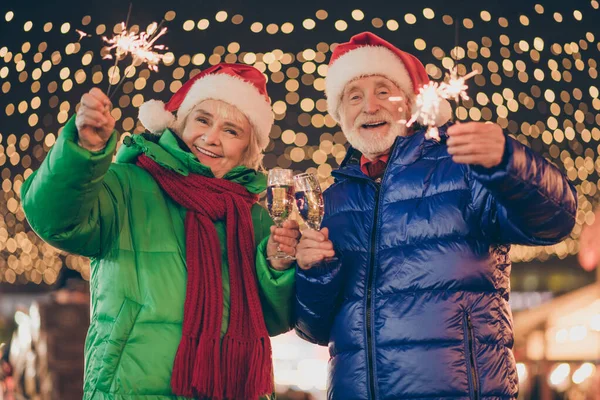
pixel 540 85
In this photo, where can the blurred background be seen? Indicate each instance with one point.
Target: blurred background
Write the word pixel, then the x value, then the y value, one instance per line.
pixel 538 64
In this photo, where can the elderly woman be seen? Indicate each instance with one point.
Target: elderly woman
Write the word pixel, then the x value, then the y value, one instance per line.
pixel 183 297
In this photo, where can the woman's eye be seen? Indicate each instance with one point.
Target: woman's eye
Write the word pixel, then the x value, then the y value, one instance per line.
pixel 231 132
pixel 202 121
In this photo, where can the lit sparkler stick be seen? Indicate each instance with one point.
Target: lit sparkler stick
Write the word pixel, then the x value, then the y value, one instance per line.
pixel 142 50
pixel 121 43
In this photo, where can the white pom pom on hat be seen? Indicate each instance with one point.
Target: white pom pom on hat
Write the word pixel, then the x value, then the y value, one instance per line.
pixel 155 117
pixel 239 85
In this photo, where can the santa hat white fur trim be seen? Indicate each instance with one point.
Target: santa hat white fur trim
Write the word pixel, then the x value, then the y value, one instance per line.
pixel 224 87
pixel 364 61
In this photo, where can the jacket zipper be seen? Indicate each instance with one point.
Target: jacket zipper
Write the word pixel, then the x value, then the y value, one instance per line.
pixel 473 378
pixel 369 297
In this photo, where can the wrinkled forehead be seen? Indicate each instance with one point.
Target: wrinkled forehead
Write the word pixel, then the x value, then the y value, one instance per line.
pixel 366 82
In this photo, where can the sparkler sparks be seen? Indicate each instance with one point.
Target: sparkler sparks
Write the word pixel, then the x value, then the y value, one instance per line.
pixel 427 107
pixel 456 88
pixel 431 99
pixel 82 34
pixel 141 47
pixel 123 43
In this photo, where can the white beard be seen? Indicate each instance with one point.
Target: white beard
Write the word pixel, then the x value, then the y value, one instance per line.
pixel 374 144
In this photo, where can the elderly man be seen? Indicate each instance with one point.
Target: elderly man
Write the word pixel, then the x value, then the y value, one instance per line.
pixel 415 305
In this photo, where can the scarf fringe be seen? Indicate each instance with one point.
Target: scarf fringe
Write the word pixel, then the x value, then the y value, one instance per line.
pixel 181 380
pixel 207 380
pixel 247 368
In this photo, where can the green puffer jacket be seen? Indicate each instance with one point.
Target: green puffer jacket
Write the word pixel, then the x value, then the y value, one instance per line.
pixel 116 214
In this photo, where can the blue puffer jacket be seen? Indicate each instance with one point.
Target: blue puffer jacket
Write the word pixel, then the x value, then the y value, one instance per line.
pixel 417 305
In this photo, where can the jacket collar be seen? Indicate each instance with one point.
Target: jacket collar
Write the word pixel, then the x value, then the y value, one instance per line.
pixel 170 152
pixel 405 151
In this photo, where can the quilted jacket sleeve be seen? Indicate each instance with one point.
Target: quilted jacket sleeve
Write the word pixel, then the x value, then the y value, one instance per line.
pixel 276 288
pixel 72 200
pixel 525 200
pixel 317 294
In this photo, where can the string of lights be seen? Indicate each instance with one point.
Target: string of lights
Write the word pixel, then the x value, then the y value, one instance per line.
pixel 543 92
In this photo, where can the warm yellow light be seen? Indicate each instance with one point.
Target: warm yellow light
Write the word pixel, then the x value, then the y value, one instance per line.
pixel 203 24
pixel 308 24
pixel 341 25
pixel 188 25
pixel 583 373
pixel 256 27
pixel 559 375
pixel 358 15
pixel 221 16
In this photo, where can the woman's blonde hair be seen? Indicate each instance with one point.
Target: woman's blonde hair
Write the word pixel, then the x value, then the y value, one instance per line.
pixel 253 155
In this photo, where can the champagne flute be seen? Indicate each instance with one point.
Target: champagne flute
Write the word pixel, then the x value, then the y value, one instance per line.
pixel 309 201
pixel 280 202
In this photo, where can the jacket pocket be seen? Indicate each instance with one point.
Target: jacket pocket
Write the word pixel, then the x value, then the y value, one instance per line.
pixel 113 349
pixel 470 351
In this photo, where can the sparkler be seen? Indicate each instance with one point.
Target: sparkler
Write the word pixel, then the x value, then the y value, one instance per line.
pixel 427 105
pixel 432 98
pixel 456 88
pixel 123 29
pixel 427 108
pixel 141 47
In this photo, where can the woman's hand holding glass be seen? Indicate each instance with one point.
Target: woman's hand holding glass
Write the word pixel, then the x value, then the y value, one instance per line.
pixel 283 239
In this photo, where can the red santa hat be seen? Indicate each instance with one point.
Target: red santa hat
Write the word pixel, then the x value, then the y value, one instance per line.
pixel 367 54
pixel 242 86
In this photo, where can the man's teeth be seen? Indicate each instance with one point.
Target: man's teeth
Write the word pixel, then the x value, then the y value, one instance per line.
pixel 207 153
pixel 374 124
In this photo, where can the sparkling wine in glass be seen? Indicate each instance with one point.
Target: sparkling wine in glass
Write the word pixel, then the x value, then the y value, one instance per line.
pixel 280 201
pixel 309 201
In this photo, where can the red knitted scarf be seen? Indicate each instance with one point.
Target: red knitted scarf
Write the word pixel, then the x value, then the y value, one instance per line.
pixel 239 366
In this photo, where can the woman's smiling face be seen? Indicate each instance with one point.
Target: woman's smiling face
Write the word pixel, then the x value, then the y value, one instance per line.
pixel 218 134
